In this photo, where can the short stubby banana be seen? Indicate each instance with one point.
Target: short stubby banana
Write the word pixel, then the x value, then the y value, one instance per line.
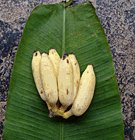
pixel 65 82
pixel 49 81
pixel 36 73
pixel 85 93
pixel 55 58
pixel 76 73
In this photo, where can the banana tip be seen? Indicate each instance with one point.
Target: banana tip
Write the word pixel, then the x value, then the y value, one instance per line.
pixel 90 66
pixel 64 56
pixel 36 53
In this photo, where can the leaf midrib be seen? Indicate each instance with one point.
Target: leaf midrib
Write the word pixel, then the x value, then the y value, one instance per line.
pixel 63 51
pixel 63 32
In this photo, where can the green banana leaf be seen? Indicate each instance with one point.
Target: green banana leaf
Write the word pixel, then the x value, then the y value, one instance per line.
pixel 67 29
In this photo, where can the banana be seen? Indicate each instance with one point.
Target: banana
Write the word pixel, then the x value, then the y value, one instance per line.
pixel 49 81
pixel 55 58
pixel 52 74
pixel 76 73
pixel 65 83
pixel 85 93
pixel 36 74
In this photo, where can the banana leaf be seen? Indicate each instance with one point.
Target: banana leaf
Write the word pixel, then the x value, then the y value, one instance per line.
pixel 70 29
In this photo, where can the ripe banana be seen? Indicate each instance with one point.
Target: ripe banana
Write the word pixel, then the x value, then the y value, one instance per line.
pixel 76 73
pixel 59 79
pixel 36 74
pixel 49 81
pixel 55 58
pixel 85 93
pixel 65 83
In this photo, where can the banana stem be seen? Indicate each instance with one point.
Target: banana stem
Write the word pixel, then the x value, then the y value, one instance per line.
pixel 55 108
pixel 59 111
pixel 62 109
pixel 67 114
pixel 56 112
pixel 67 3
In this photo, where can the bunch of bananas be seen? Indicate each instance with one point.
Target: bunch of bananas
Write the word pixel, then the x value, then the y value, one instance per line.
pixel 59 84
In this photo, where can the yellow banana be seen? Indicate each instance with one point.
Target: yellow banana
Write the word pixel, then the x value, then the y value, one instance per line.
pixel 76 73
pixel 85 93
pixel 36 74
pixel 49 81
pixel 55 58
pixel 65 83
